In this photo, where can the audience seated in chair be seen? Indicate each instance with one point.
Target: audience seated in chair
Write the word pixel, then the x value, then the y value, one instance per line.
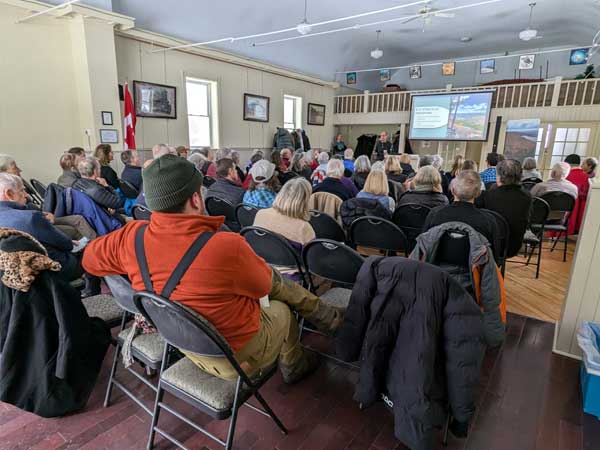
pixel 510 201
pixel 132 173
pixel 465 188
pixel 283 171
pixel 377 188
pixel 489 174
pixel 579 178
pixel 320 172
pixel 557 182
pixel 263 185
pixel 209 168
pixel 224 284
pixel 104 155
pixel 68 163
pixel 235 157
pixel 300 165
pixel 228 186
pixel 289 216
pixel 362 167
pixel 335 183
pixel 530 169
pixel 9 165
pixel 96 187
pixel 51 352
pixel 348 162
pixel 426 189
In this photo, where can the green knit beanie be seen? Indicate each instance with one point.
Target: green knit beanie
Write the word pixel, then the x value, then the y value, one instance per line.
pixel 169 181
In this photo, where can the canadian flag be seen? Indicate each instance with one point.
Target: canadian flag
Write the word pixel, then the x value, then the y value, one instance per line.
pixel 128 120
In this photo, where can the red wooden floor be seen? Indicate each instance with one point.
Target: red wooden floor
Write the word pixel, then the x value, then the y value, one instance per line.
pixel 529 399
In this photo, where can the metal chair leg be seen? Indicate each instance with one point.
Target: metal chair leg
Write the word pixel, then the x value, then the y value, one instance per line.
pixel 269 411
pixel 155 415
pixel 539 260
pixel 446 427
pixel 113 371
pixel 566 244
pixel 234 413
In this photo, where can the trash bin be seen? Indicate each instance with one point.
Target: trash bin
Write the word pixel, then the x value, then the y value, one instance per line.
pixel 588 338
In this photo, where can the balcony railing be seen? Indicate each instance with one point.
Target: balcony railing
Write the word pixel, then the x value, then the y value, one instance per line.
pixel 522 95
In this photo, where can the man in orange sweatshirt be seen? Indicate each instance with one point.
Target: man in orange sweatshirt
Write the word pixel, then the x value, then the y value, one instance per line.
pixel 224 283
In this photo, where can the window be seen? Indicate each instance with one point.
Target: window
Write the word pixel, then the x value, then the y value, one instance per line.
pixel 202 107
pixel 570 140
pixel 292 112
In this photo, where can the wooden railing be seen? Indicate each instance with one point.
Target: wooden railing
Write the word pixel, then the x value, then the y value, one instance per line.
pixel 523 95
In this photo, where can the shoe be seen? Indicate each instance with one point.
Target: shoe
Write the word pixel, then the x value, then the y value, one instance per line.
pixel 304 367
pixel 327 319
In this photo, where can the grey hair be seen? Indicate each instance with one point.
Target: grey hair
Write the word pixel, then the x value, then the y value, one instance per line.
pixel 560 171
pixel 323 157
pixel 509 171
pixel 298 161
pixel 437 162
pixel 5 162
pixel 160 150
pixel 235 155
pixel 378 166
pixel 428 176
pixel 425 160
pixel 335 168
pixel 529 163
pixel 8 181
pixel 362 164
pixel 88 166
pixel 293 199
pixel 222 153
pixel 197 159
pixel 467 185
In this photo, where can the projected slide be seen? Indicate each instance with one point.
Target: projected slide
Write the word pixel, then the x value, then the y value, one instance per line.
pixel 452 117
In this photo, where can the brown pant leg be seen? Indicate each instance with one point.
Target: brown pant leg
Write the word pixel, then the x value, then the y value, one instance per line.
pixel 78 223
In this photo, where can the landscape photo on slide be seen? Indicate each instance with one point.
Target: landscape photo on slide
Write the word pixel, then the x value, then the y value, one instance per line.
pixel 468 117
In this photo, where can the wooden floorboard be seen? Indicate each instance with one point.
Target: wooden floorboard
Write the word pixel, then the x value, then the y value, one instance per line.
pixel 529 399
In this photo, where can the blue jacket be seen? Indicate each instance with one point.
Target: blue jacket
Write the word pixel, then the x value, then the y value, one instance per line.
pixel 77 203
pixel 17 216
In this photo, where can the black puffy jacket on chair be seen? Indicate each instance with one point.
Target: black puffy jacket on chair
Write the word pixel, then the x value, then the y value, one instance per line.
pixel 106 197
pixel 419 337
pixel 354 208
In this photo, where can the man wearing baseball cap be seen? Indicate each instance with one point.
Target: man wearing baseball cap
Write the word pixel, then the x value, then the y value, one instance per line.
pixel 224 283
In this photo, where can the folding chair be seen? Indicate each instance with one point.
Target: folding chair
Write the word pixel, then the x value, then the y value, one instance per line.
pixel 453 256
pixel 275 250
pixel 216 206
pixel 207 181
pixel 146 349
pixel 502 236
pixel 39 187
pixel 326 227
pixel 185 329
pixel 139 212
pixel 561 205
pixel 410 217
pixel 245 214
pixel 128 189
pixel 529 183
pixel 381 234
pixel 103 306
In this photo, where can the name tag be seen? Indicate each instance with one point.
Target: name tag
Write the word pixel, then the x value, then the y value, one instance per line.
pixel 264 301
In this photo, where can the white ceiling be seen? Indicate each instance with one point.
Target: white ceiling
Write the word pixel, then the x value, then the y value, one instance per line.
pixel 494 28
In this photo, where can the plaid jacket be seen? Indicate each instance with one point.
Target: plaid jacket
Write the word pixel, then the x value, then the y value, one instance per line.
pixel 488 175
pixel 261 197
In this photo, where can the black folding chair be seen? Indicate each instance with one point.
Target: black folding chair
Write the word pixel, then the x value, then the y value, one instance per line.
pixel 139 212
pixel 326 227
pixel 146 349
pixel 187 330
pixel 216 206
pixel 128 189
pixel 245 214
pixel 381 234
pixel 207 181
pixel 275 250
pixel 529 183
pixel 410 217
pixel 489 185
pixel 533 239
pixel 36 198
pixel 561 205
pixel 453 256
pixel 39 187
pixel 502 236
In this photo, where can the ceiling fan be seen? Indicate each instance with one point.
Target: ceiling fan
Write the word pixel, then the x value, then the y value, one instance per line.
pixel 427 13
pixel 530 33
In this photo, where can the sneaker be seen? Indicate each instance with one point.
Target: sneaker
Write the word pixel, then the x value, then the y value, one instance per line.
pixel 304 367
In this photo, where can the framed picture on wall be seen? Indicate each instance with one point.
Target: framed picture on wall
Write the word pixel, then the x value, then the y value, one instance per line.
pixel 579 56
pixel 487 66
pixel 154 100
pixel 385 75
pixel 448 69
pixel 109 136
pixel 351 78
pixel 107 118
pixel 526 62
pixel 316 114
pixel 256 108
pixel 414 72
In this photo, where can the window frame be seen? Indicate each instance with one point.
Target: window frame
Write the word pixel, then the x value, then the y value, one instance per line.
pixel 296 112
pixel 211 108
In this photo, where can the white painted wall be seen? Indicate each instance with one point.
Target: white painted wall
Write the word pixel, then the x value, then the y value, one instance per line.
pixel 135 62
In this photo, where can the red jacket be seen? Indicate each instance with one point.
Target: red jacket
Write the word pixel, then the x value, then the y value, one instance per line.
pixel 580 179
pixel 223 284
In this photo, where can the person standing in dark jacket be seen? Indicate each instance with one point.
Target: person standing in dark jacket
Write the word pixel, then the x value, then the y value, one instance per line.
pixel 132 173
pixel 104 155
pixel 510 201
pixel 382 147
pixel 95 186
pixel 227 187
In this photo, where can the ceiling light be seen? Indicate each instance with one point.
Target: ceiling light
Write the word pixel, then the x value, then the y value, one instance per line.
pixel 528 34
pixel 377 53
pixel 466 39
pixel 304 27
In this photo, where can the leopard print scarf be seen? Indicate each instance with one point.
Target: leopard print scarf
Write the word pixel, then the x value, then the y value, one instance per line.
pixel 19 269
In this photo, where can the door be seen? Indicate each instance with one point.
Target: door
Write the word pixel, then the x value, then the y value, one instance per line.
pixel 564 139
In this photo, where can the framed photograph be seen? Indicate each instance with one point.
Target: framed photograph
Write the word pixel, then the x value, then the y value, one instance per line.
pixel 448 69
pixel 109 136
pixel 385 75
pixel 256 108
pixel 526 62
pixel 487 66
pixel 107 118
pixel 316 114
pixel 154 100
pixel 414 72
pixel 351 78
pixel 579 56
